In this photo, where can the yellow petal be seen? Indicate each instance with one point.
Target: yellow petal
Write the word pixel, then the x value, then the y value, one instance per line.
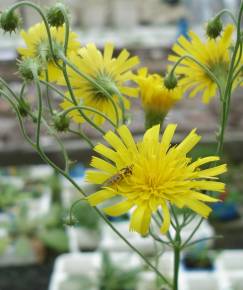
pixel 166 218
pixel 100 196
pixel 140 220
pixel 167 137
pixel 199 207
pixel 119 208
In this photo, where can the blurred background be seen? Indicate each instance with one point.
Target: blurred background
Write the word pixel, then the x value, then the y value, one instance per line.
pixel 36 250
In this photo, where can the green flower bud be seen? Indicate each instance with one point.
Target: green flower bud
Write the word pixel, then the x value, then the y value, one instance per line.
pixel 10 21
pixel 170 81
pixel 55 15
pixel 28 68
pixel 23 108
pixel 214 28
pixel 61 122
pixel 69 221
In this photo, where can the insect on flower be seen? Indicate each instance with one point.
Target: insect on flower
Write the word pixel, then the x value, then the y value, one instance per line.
pixel 119 176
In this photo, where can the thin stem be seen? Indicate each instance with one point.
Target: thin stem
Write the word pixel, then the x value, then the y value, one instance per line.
pixel 202 240
pixel 38 9
pixel 227 11
pixel 192 234
pixel 70 90
pixel 205 68
pixel 22 128
pixel 88 109
pixel 177 253
pixel 47 92
pixel 83 136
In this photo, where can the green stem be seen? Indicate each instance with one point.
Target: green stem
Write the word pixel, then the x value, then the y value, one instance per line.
pixel 88 109
pixel 177 252
pixel 70 90
pixel 38 9
pixel 83 136
pixel 204 67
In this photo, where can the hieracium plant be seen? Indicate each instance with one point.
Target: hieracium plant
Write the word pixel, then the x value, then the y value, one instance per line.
pixel 156 182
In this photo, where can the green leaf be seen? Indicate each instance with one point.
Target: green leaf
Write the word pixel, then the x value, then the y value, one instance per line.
pixel 55 239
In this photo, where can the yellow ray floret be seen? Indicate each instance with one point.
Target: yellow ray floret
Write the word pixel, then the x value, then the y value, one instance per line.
pixel 112 73
pixel 152 174
pixel 212 53
pixel 37 46
pixel 154 95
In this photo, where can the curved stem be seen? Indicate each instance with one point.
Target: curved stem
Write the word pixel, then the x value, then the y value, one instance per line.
pixel 227 11
pixel 70 90
pixel 22 128
pixel 88 109
pixel 38 9
pixel 205 68
pixel 83 136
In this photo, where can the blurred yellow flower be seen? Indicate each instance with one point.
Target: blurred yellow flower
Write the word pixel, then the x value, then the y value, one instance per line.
pixel 37 46
pixel 212 53
pixel 150 175
pixel 154 95
pixel 110 72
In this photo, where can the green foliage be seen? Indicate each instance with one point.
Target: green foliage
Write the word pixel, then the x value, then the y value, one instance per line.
pixel 55 239
pixel 23 246
pixel 115 278
pixel 86 216
pixel 4 242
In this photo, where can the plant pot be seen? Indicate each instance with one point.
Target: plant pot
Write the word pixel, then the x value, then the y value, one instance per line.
pixel 83 239
pixel 224 212
pixel 112 242
pixel 230 261
pixel 75 264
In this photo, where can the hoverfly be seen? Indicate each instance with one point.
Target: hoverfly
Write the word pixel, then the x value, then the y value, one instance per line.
pixel 119 176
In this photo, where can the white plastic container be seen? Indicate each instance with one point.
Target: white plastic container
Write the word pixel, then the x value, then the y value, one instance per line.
pixel 112 242
pixel 88 264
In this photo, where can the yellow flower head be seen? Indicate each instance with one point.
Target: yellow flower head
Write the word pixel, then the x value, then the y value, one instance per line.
pixel 37 46
pixel 107 71
pixel 154 95
pixel 152 174
pixel 212 53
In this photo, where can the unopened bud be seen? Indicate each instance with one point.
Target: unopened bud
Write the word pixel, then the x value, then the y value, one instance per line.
pixel 61 122
pixel 214 28
pixel 55 15
pixel 28 68
pixel 170 81
pixel 10 21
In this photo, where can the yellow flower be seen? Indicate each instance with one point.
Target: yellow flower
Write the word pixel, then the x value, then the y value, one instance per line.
pixel 212 53
pixel 150 175
pixel 154 95
pixel 110 72
pixel 37 46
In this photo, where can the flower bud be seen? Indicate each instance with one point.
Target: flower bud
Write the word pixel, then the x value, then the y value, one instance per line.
pixel 10 21
pixel 61 122
pixel 170 81
pixel 69 221
pixel 55 15
pixel 28 68
pixel 23 107
pixel 214 28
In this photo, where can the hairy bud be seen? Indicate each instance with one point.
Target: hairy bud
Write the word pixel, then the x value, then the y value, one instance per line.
pixel 55 15
pixel 10 21
pixel 214 28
